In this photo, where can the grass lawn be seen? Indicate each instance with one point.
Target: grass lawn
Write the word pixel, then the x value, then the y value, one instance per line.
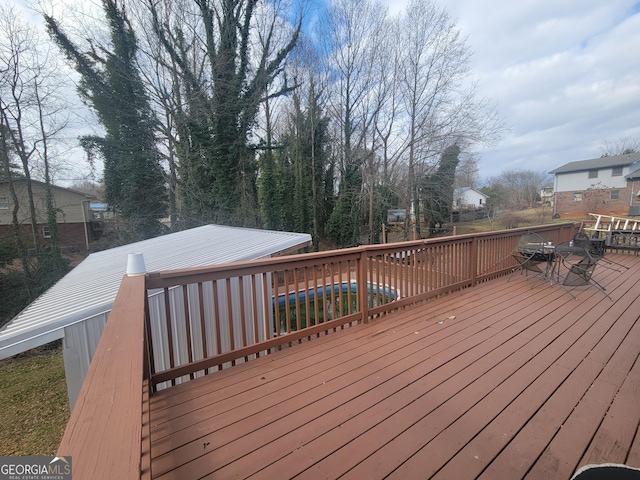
pixel 34 405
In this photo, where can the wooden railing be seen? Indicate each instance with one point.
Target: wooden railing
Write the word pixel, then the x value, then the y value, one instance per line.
pixel 619 233
pixel 202 319
pixel 208 318
pixel 107 434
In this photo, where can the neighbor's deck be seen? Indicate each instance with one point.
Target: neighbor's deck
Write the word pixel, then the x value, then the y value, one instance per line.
pixel 496 381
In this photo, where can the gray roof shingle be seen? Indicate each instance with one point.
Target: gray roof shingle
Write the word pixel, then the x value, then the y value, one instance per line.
pixel 596 163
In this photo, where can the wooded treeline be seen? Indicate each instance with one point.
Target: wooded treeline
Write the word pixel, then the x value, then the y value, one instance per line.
pixel 239 112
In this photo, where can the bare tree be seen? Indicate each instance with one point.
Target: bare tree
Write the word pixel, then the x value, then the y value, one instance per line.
pixel 387 120
pixel 434 58
pixel 381 108
pixel 622 146
pixel 520 189
pixel 31 117
pixel 17 99
pixel 178 107
pixel 355 33
pixel 400 92
pixel 467 172
pixel 439 98
pixel 303 122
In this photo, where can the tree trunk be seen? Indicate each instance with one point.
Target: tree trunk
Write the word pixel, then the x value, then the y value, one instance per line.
pixel 15 224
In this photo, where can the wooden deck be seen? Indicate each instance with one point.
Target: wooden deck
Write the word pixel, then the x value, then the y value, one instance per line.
pixel 496 381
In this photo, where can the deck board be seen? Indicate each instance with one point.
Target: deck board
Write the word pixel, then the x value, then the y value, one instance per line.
pixel 496 381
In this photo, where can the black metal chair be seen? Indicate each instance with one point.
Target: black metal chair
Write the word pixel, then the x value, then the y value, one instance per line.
pixel 579 266
pixel 596 250
pixel 530 254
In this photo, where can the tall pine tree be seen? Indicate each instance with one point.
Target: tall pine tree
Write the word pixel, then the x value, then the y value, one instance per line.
pixel 438 189
pixel 294 194
pixel 111 84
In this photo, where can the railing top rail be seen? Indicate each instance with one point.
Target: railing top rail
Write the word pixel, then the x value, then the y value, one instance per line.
pixel 167 278
pixel 104 433
pixel 606 223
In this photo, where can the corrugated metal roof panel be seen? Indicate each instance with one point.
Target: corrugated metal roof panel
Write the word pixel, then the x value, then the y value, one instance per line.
pixel 91 287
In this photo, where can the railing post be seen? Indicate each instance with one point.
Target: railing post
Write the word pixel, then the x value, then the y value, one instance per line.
pixel 473 260
pixel 361 288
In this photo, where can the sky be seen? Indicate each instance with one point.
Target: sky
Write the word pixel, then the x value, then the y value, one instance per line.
pixel 564 75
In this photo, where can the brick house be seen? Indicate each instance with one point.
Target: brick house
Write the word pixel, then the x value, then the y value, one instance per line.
pixel 73 215
pixel 607 185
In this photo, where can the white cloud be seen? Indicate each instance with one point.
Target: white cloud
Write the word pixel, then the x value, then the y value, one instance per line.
pixel 565 75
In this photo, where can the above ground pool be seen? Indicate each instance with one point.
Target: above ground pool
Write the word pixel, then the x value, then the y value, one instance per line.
pixel 329 306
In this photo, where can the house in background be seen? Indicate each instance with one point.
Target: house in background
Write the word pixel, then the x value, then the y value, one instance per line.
pixel 467 198
pixel 546 194
pixel 101 217
pixel 633 178
pixel 606 185
pixel 72 207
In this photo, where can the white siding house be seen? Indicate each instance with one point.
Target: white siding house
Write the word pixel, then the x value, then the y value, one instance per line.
pixel 599 176
pixel 469 198
pixel 77 307
pixel 603 185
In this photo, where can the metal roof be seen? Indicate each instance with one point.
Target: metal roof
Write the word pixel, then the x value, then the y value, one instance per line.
pixel 91 287
pixel 602 162
pixel 461 190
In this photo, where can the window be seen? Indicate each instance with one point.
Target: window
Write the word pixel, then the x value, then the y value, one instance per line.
pixel 616 172
pixel 4 203
pixel 614 194
pixel 593 173
pixel 577 197
pixel 46 231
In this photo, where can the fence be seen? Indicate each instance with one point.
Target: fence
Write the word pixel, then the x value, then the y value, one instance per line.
pixel 204 319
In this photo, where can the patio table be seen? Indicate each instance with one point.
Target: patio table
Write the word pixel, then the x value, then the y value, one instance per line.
pixel 542 252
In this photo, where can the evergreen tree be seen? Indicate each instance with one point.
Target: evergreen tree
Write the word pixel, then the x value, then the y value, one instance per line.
pixel 438 190
pixel 385 198
pixel 322 166
pixel 271 204
pixel 293 190
pixel 345 220
pixel 111 84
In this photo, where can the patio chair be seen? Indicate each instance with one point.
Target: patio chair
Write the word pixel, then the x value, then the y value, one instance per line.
pixel 529 253
pixel 583 240
pixel 579 266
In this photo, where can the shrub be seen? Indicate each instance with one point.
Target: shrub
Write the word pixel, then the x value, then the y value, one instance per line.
pixel 510 219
